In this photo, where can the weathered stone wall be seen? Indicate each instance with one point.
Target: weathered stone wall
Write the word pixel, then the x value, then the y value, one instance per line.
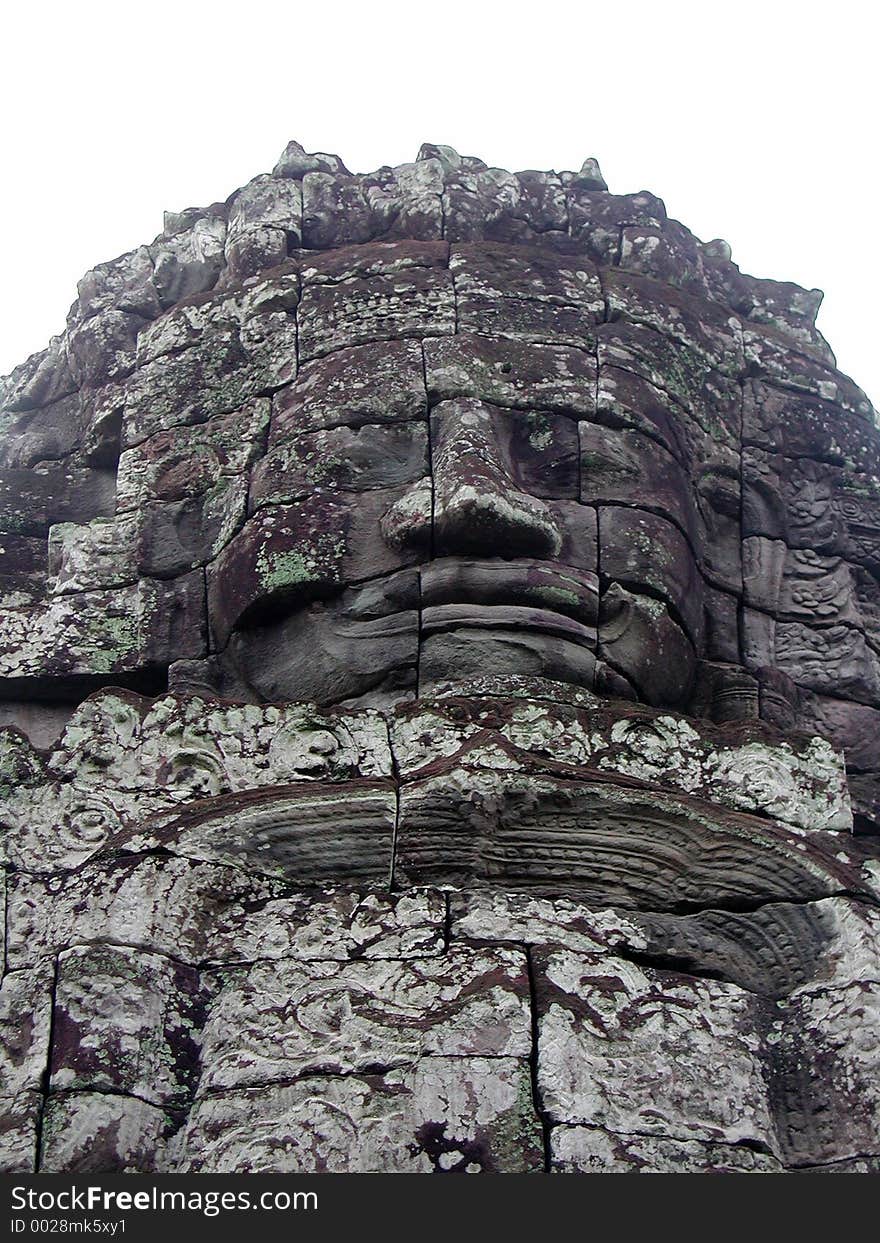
pixel 512 563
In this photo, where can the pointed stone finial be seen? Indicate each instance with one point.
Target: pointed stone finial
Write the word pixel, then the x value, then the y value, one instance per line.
pixel 590 177
pixel 295 162
pixel 448 156
pixel 718 249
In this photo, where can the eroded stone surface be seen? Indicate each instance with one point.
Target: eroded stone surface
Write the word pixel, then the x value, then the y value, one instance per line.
pixel 291 1019
pixel 92 1132
pixel 124 1022
pixel 632 1053
pixel 592 1150
pixel 202 912
pixel 448 1114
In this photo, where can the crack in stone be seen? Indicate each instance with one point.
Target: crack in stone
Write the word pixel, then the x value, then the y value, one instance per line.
pixel 45 1085
pixel 534 1060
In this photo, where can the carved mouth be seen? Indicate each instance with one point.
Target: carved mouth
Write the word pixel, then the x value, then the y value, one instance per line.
pixel 522 594
pixel 505 617
pixel 494 618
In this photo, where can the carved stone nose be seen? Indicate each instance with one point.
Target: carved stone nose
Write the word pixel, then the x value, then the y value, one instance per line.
pixel 478 508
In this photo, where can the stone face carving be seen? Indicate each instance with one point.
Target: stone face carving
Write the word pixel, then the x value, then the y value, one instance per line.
pixel 439 696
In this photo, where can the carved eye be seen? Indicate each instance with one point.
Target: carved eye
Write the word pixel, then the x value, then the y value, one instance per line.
pixel 720 493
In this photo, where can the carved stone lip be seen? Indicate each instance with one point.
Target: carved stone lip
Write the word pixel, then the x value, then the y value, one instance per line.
pixel 506 617
pixel 523 593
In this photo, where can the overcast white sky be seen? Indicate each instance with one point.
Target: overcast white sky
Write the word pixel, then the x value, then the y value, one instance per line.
pixel 755 122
